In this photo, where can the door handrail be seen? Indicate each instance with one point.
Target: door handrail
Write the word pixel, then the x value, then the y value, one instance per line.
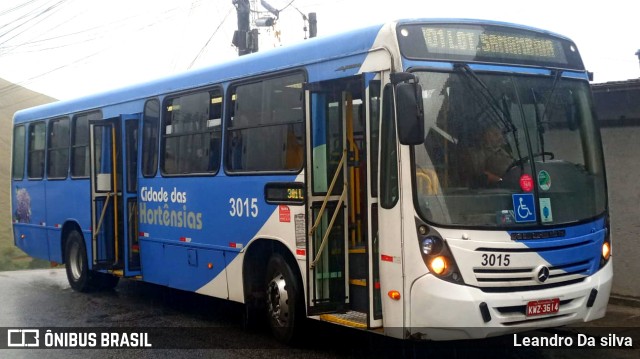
pixel 329 191
pixel 326 234
pixel 324 205
pixel 104 209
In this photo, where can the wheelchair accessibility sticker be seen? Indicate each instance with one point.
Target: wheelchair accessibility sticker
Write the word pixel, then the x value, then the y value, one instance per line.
pixel 524 208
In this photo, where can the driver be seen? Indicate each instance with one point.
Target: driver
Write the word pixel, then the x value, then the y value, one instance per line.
pixel 492 159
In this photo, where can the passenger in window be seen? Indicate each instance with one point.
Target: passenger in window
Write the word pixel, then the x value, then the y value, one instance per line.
pixel 214 155
pixel 295 150
pixel 491 159
pixel 235 150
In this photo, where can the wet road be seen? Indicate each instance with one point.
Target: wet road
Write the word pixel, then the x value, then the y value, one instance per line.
pixel 43 298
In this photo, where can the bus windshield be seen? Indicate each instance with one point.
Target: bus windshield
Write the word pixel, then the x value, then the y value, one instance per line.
pixel 505 150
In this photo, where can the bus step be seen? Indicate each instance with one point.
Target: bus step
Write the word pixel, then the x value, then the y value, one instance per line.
pixel 117 272
pixel 350 319
pixel 359 294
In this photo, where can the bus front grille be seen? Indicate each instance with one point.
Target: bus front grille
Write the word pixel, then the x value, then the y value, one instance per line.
pixel 512 278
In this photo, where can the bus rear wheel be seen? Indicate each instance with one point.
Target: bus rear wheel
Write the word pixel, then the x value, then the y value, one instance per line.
pixel 79 276
pixel 282 292
pixel 75 259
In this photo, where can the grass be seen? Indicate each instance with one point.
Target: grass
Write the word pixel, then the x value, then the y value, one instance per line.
pixel 12 258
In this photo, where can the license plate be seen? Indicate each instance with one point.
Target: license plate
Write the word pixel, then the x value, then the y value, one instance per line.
pixel 542 307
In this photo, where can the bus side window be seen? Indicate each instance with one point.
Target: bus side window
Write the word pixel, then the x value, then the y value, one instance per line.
pixel 191 133
pixel 150 125
pixel 37 137
pixel 58 149
pixel 80 143
pixel 18 153
pixel 265 131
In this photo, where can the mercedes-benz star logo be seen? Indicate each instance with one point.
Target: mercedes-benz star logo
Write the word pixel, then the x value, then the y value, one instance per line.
pixel 543 274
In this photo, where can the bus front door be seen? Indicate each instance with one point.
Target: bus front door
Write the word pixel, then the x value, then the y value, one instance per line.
pixel 114 194
pixel 340 203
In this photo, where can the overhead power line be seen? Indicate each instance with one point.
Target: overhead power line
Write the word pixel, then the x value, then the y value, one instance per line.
pixel 38 18
pixel 210 38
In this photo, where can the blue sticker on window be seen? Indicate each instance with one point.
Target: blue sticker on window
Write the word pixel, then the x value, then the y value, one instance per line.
pixel 524 208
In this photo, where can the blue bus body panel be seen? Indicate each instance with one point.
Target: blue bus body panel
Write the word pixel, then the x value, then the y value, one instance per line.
pixel 577 252
pixel 41 208
pixel 203 222
pixel 30 218
pixel 203 219
pixel 67 201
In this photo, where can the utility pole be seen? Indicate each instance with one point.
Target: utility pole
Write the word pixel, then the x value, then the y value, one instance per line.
pixel 638 54
pixel 244 38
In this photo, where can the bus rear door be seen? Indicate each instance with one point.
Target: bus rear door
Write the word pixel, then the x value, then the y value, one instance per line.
pixel 114 194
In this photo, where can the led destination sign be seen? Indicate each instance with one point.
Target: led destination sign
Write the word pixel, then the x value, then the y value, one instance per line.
pixel 482 43
pixel 475 42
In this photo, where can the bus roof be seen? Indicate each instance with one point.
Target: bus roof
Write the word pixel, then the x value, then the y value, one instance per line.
pixel 307 52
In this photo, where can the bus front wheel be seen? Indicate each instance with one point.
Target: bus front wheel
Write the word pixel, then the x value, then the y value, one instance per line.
pixel 283 303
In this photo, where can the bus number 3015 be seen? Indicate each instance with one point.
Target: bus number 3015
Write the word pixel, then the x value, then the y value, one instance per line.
pixel 243 207
pixel 501 260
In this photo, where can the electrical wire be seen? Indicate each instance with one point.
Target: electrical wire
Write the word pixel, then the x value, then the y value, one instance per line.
pixel 52 43
pixel 44 10
pixel 8 11
pixel 40 17
pixel 210 38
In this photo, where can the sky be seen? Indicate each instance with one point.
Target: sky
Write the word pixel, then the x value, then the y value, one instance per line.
pixel 71 48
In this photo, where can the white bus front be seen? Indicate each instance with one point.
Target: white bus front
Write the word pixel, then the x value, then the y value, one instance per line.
pixel 501 193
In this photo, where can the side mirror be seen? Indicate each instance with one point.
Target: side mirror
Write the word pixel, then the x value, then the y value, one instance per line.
pixel 410 113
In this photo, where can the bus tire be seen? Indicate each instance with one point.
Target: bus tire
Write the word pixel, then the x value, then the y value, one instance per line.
pixel 252 316
pixel 283 299
pixel 75 259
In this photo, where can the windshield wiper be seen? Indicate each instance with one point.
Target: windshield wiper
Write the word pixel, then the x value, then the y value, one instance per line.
pixel 540 119
pixel 503 115
pixel 556 79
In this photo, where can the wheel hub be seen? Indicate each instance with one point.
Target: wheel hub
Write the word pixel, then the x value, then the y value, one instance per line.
pixel 278 300
pixel 75 259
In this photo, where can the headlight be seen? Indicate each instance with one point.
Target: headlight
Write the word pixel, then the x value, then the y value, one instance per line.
pixel 431 245
pixel 436 254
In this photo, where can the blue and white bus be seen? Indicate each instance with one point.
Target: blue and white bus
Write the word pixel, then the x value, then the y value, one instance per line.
pixel 425 179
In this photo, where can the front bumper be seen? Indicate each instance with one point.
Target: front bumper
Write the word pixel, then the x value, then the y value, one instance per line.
pixel 440 310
